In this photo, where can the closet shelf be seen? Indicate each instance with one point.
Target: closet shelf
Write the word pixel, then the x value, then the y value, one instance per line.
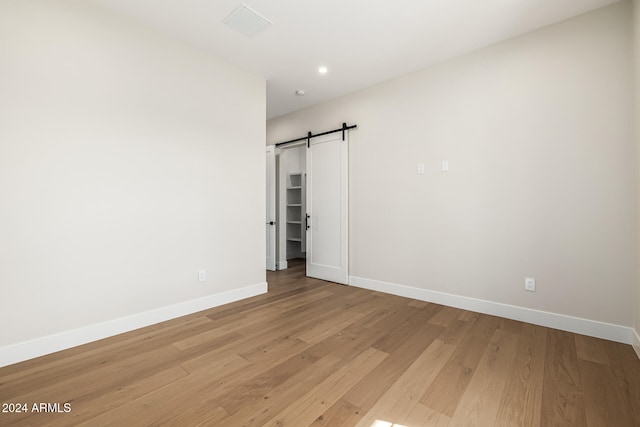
pixel 295 214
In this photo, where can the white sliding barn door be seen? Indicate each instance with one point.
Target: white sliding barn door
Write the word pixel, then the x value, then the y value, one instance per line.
pixel 270 214
pixel 327 208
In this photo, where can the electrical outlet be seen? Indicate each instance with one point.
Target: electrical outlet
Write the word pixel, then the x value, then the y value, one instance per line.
pixel 420 168
pixel 202 276
pixel 530 284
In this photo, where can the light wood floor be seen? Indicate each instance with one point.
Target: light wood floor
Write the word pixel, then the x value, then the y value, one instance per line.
pixel 315 353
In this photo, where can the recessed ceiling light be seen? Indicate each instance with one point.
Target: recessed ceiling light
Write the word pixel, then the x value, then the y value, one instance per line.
pixel 300 92
pixel 323 70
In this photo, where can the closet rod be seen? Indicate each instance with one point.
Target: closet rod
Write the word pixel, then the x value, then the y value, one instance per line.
pixel 310 135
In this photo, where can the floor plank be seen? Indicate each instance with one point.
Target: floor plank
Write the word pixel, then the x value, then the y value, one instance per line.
pixel 562 397
pixel 602 409
pixel 342 413
pixel 446 391
pixel 626 367
pixel 591 349
pixel 310 406
pixel 365 393
pixel 522 397
pixel 481 400
pixel 403 396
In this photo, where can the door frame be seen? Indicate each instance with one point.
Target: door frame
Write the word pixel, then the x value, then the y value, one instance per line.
pixel 271 234
pixel 281 209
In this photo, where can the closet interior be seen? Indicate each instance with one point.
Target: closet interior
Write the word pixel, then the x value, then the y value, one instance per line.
pixel 291 196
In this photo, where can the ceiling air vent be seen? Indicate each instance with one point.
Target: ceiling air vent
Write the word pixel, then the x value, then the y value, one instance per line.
pixel 247 21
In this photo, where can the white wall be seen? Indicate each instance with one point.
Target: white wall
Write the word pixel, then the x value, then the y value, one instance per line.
pixel 537 131
pixel 636 55
pixel 127 163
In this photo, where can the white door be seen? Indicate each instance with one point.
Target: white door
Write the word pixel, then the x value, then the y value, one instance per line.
pixel 271 208
pixel 327 208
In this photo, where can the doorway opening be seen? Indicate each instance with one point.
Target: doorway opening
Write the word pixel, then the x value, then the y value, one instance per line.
pixel 291 177
pixel 311 204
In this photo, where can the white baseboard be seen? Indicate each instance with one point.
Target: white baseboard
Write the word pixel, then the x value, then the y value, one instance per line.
pixel 577 325
pixel 26 350
pixel 283 265
pixel 636 342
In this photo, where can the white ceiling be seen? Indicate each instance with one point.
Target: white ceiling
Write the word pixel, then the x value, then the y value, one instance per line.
pixel 362 42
